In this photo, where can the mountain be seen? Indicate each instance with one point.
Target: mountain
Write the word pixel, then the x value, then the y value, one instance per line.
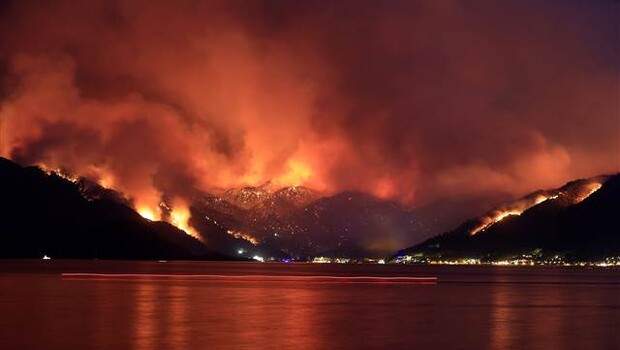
pixel 266 221
pixel 48 214
pixel 249 218
pixel 248 196
pixel 351 224
pixel 299 222
pixel 285 200
pixel 577 221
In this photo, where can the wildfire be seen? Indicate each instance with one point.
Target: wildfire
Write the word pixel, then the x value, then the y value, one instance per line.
pixel 148 213
pixel 106 181
pixel 491 220
pixel 59 172
pixel 179 217
pixel 515 209
pixel 297 174
pixel 178 214
pixel 244 236
pixel 587 191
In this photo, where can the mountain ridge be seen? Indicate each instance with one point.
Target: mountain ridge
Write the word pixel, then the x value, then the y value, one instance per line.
pixel 281 223
pixel 576 221
pixel 46 214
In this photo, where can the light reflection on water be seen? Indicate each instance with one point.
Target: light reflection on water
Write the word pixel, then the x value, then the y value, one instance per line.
pixel 148 308
pixel 179 320
pixel 483 308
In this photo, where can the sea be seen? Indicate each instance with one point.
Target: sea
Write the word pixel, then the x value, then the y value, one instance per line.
pixel 70 304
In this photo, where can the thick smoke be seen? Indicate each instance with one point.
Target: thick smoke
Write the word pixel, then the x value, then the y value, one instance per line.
pixel 412 100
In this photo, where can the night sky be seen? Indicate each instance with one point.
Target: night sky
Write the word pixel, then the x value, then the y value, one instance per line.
pixel 411 100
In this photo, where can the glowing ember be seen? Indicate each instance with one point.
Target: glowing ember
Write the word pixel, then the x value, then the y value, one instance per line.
pixel 587 191
pixel 244 236
pixel 58 172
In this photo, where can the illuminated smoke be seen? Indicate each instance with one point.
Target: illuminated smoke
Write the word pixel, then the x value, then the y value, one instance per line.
pixel 415 101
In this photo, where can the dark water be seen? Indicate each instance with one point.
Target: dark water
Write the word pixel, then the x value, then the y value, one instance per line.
pixel 470 307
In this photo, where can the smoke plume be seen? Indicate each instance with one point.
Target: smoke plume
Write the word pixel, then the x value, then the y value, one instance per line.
pixel 412 100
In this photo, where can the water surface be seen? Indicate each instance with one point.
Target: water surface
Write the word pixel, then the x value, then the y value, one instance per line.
pixel 470 307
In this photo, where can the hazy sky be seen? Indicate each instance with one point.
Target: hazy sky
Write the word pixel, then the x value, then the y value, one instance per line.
pixel 416 100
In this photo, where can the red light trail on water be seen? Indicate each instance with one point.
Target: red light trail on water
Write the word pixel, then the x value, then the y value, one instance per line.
pixel 254 278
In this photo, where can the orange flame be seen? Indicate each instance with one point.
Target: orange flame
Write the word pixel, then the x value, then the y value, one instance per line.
pixel 148 213
pixel 179 217
pixel 587 191
pixel 515 209
pixel 297 174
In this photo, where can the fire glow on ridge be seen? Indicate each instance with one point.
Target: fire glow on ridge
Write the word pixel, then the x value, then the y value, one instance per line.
pixel 574 196
pixel 588 190
pixel 517 209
